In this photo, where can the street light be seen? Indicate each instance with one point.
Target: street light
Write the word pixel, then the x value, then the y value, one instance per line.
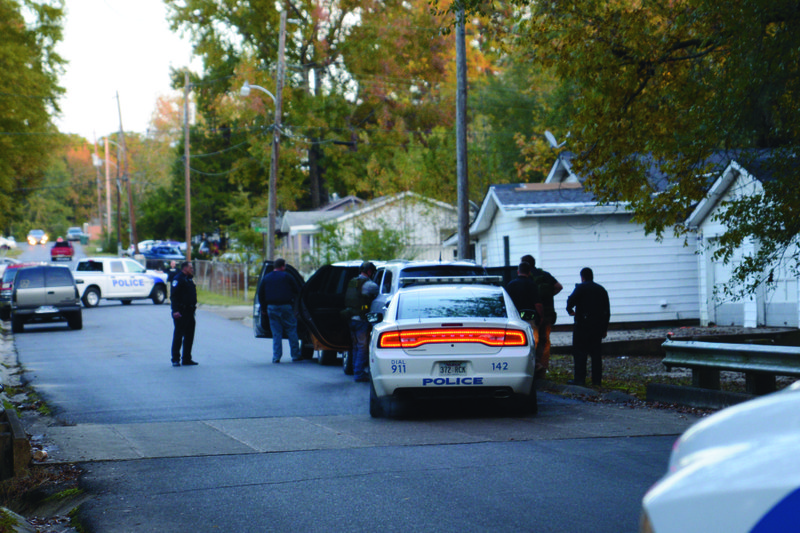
pixel 273 167
pixel 119 193
pixel 276 136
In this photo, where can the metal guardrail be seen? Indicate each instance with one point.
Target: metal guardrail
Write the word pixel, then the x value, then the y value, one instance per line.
pixel 760 363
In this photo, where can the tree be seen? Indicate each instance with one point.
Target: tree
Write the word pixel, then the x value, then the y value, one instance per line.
pixel 668 87
pixel 29 91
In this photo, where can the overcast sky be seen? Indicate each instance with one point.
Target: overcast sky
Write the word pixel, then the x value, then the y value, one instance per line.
pixel 116 45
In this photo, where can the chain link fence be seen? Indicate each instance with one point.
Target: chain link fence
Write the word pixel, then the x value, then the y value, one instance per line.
pixel 227 279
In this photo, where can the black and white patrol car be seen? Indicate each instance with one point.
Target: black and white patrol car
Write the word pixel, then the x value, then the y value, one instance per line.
pixel 451 337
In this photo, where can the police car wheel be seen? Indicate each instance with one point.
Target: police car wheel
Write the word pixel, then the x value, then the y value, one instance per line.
pixel 158 295
pixel 127 302
pixel 375 403
pixel 91 297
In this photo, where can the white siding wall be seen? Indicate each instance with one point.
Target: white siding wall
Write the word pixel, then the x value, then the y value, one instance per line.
pixel 424 224
pixel 646 280
pixel 775 305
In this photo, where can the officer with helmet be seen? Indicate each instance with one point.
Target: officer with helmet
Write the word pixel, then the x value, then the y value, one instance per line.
pixel 360 292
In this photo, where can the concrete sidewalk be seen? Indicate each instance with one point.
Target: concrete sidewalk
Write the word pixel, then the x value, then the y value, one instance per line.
pixel 557 419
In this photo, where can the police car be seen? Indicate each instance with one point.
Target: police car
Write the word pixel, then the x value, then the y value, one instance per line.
pixel 451 337
pixel 115 278
pixel 737 471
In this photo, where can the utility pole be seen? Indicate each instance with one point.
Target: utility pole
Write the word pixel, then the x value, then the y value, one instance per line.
pixel 276 139
pixel 461 137
pixel 108 194
pixel 99 195
pixel 126 177
pixel 188 194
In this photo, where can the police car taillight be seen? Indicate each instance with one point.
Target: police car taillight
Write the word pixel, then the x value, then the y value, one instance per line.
pixel 417 337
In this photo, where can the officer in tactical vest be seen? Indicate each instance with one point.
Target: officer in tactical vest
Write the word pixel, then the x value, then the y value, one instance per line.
pixel 360 292
pixel 548 287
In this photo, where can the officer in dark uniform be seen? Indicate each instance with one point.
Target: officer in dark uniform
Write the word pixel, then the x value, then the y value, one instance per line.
pixel 183 301
pixel 589 304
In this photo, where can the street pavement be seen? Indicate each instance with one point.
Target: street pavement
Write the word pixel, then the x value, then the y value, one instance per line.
pixel 558 418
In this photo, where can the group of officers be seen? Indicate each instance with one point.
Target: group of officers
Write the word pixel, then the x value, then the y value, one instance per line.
pixel 533 290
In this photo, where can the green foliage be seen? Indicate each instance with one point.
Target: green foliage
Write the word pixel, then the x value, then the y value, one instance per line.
pixel 378 243
pixel 678 82
pixel 8 523
pixel 29 91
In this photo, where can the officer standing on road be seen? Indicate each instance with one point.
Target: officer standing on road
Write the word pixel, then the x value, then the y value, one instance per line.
pixel 588 303
pixel 360 292
pixel 183 302
pixel 277 293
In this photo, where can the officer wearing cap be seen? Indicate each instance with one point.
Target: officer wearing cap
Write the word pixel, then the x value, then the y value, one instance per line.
pixel 360 292
pixel 183 302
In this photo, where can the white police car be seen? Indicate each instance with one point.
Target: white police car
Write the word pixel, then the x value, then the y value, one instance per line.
pixel 451 337
pixel 736 471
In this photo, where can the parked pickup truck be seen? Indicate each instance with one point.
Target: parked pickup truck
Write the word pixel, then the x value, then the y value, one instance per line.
pixel 115 278
pixel 62 250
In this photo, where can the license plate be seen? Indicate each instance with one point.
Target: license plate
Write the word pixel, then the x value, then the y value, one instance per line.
pixel 46 309
pixel 452 368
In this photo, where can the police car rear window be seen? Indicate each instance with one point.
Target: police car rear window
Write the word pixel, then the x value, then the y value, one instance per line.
pixel 90 266
pixel 416 305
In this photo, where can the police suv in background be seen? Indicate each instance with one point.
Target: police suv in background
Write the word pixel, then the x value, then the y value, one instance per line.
pixel 451 337
pixel 121 279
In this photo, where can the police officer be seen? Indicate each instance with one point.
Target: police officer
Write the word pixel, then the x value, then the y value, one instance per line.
pixel 360 292
pixel 589 304
pixel 277 294
pixel 183 302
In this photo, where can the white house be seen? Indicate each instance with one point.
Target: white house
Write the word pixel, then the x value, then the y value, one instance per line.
pixel 774 305
pixel 423 222
pixel 565 229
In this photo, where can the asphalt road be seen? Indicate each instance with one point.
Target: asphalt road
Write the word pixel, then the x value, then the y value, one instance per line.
pixel 240 444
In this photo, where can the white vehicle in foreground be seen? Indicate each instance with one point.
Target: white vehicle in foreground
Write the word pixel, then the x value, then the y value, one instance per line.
pixel 451 337
pixel 736 471
pixel 115 278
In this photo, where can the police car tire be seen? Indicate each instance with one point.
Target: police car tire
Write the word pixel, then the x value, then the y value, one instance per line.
pixel 159 295
pixel 527 404
pixel 91 298
pixel 375 404
pixel 127 302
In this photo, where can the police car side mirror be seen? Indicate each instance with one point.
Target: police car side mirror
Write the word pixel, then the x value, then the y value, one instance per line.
pixel 374 318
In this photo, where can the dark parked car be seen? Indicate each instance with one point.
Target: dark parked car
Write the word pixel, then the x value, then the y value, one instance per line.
pixel 45 293
pixel 160 255
pixel 320 324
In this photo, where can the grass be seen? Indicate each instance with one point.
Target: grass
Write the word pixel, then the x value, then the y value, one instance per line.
pixel 211 298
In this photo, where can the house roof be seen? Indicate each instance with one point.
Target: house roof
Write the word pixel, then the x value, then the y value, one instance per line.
pixel 754 164
pixel 562 192
pixel 307 221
